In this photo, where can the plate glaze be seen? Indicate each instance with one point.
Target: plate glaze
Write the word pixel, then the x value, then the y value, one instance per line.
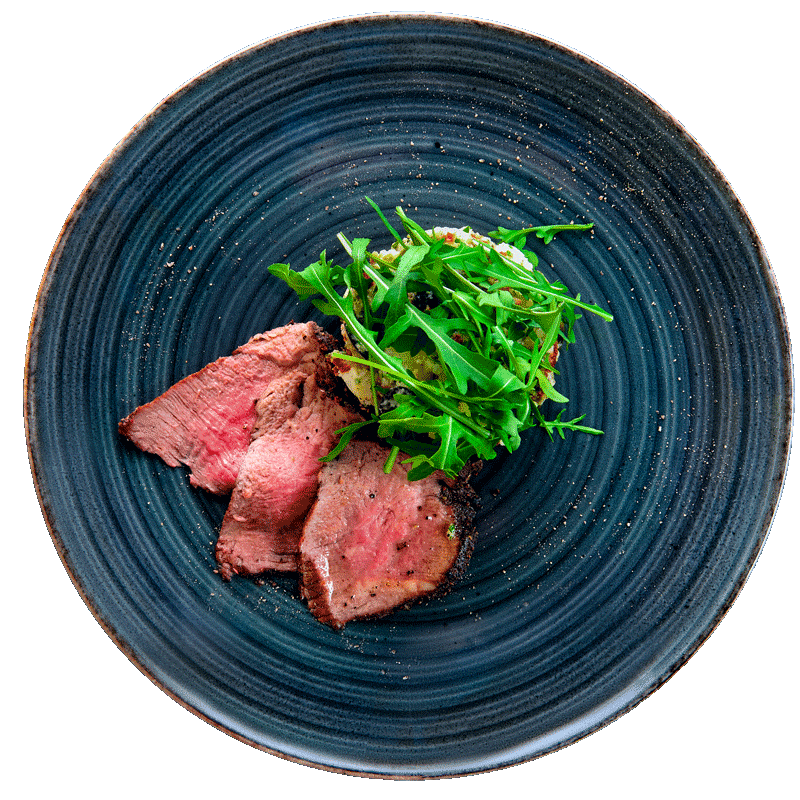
pixel 603 563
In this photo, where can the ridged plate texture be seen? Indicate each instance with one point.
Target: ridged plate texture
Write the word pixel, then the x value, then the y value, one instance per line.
pixel 603 562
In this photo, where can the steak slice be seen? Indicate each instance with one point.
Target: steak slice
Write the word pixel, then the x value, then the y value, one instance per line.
pixel 205 421
pixel 277 483
pixel 373 542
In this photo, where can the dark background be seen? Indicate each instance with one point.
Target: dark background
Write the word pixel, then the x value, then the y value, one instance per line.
pixel 86 81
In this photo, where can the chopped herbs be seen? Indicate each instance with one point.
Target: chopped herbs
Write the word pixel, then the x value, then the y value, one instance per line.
pixel 451 335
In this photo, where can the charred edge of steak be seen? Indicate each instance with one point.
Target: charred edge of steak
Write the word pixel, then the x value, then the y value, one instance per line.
pixel 464 502
pixel 327 379
pixel 327 342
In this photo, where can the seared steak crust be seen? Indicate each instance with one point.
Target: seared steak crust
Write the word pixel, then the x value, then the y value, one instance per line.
pixel 373 542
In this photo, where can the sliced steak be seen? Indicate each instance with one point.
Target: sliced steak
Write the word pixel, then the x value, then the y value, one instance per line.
pixel 296 425
pixel 205 421
pixel 373 542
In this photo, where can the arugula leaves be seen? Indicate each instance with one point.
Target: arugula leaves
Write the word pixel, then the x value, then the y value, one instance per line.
pixel 486 321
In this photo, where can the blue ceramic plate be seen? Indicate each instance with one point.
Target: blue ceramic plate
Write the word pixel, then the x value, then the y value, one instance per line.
pixel 603 562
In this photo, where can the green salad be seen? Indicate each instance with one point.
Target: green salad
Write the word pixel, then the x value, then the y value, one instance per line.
pixel 450 339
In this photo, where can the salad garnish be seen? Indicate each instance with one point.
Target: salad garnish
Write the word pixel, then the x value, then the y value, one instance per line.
pixel 451 333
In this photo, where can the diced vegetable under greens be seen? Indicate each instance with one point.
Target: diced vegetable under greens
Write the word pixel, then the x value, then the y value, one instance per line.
pixel 453 334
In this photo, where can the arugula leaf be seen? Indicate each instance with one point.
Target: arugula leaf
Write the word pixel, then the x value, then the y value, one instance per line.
pixel 461 362
pixel 396 295
pixel 547 233
pixel 483 321
pixel 559 426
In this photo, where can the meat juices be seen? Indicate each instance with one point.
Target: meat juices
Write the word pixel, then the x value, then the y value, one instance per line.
pixel 373 542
